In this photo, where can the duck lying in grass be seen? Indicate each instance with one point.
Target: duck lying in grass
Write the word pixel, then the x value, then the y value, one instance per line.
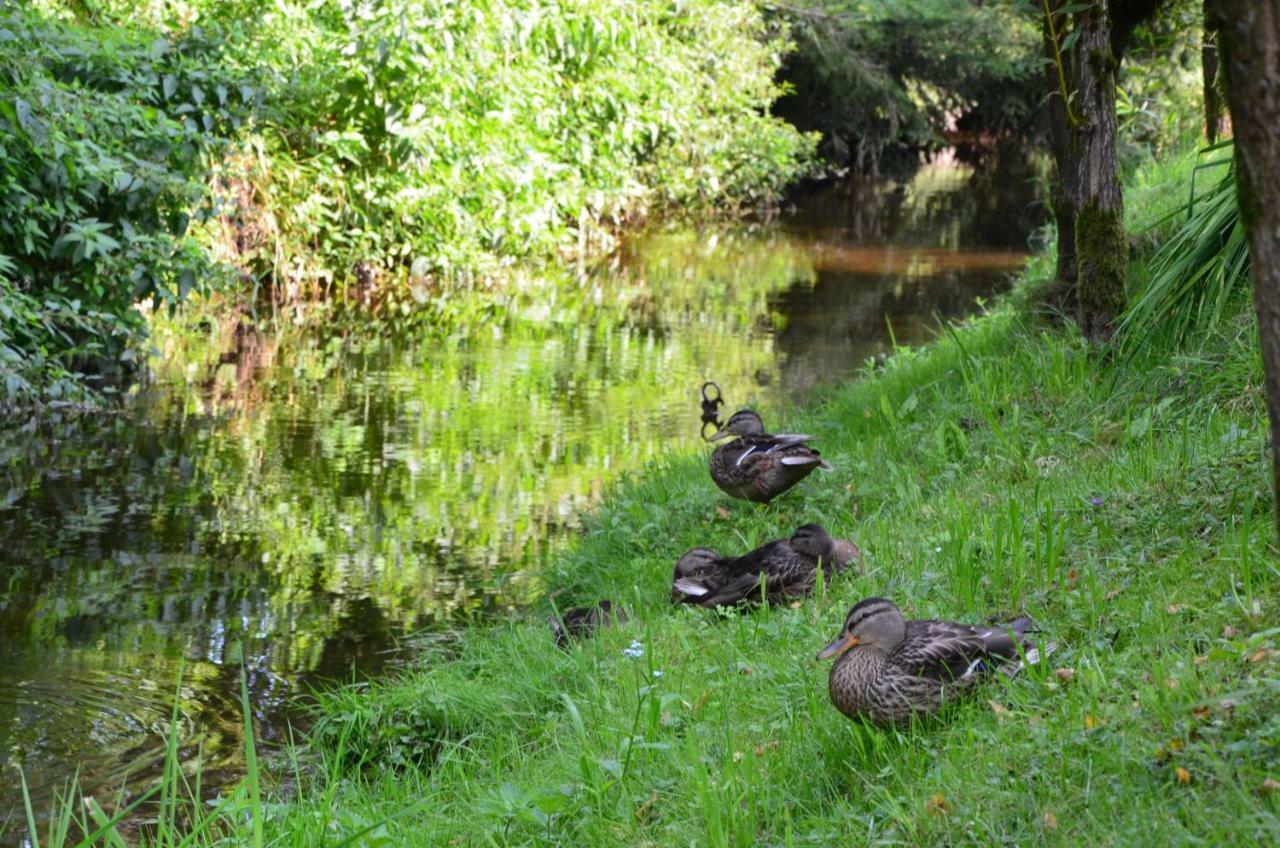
pixel 759 466
pixel 582 622
pixel 789 568
pixel 890 670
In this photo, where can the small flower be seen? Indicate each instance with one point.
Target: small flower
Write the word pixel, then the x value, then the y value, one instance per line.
pixel 657 672
pixel 635 650
pixel 938 549
pixel 1096 501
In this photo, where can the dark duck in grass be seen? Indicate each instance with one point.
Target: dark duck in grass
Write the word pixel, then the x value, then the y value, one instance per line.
pixel 789 568
pixel 759 466
pixel 889 670
pixel 581 622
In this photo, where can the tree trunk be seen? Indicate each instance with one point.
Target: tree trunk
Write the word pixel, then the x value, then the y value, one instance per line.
pixel 1213 123
pixel 1065 192
pixel 1249 37
pixel 1102 248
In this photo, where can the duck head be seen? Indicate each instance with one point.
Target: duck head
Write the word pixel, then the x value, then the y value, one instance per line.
pixel 876 622
pixel 744 422
pixel 812 540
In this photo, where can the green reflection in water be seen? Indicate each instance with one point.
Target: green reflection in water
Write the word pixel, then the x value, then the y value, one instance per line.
pixel 304 501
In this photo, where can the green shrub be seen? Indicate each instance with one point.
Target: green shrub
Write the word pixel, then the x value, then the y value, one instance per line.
pixel 448 138
pixel 102 138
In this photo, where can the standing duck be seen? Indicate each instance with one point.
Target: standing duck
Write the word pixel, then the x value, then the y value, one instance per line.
pixel 757 465
pixel 890 670
pixel 789 568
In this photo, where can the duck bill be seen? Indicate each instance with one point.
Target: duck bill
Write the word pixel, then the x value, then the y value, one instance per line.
pixel 718 435
pixel 842 643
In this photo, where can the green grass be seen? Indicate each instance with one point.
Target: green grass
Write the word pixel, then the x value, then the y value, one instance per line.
pixel 973 466
pixel 1006 468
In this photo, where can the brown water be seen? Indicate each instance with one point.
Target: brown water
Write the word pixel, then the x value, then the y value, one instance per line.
pixel 301 504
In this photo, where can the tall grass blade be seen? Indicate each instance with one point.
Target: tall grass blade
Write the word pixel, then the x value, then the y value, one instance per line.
pixel 251 763
pixel 31 816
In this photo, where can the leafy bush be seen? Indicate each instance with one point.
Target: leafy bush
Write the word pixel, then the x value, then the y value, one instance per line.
pixel 445 138
pixel 102 136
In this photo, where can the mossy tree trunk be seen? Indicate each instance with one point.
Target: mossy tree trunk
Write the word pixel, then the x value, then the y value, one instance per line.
pixel 1088 205
pixel 1102 248
pixel 1249 38
pixel 1213 117
pixel 1065 191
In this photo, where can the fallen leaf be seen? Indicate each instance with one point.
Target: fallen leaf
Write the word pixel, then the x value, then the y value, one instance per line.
pixel 1170 683
pixel 1184 776
pixel 1174 609
pixel 1200 659
pixel 937 805
pixel 1073 576
pixel 1271 785
pixel 1201 712
pixel 642 811
pixel 1230 632
pixel 1259 655
pixel 999 709
pixel 1110 596
pixel 1050 821
pixel 721 511
pixel 1064 674
pixel 1090 721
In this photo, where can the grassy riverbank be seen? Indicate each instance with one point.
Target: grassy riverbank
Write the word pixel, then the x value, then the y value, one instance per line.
pixel 1005 468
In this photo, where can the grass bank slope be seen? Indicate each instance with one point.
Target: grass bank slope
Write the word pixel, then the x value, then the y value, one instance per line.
pixel 1004 468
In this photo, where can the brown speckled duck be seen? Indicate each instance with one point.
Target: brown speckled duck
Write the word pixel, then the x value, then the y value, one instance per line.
pixel 889 670
pixel 789 568
pixel 582 622
pixel 759 466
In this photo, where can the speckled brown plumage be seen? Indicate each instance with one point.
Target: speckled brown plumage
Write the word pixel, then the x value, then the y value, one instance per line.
pixel 789 568
pixel 890 670
pixel 759 466
pixel 582 622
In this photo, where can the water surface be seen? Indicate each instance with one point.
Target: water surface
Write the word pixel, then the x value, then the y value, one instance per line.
pixel 300 503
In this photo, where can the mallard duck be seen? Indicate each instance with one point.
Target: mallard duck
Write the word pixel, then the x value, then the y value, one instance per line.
pixel 889 669
pixel 757 465
pixel 789 567
pixel 694 565
pixel 581 622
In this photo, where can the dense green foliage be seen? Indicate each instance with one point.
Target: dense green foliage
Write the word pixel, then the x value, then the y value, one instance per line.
pixel 434 137
pixel 102 135
pixel 399 145
pixel 879 77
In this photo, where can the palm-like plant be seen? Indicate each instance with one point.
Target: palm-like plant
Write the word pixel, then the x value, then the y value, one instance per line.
pixel 1198 272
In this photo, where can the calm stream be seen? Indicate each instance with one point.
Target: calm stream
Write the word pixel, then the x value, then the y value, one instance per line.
pixel 302 506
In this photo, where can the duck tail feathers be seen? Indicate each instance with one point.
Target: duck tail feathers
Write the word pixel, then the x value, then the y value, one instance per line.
pixel 1032 655
pixel 812 459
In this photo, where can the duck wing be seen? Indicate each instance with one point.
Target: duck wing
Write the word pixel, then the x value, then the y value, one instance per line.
pixel 948 652
pixel 739 579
